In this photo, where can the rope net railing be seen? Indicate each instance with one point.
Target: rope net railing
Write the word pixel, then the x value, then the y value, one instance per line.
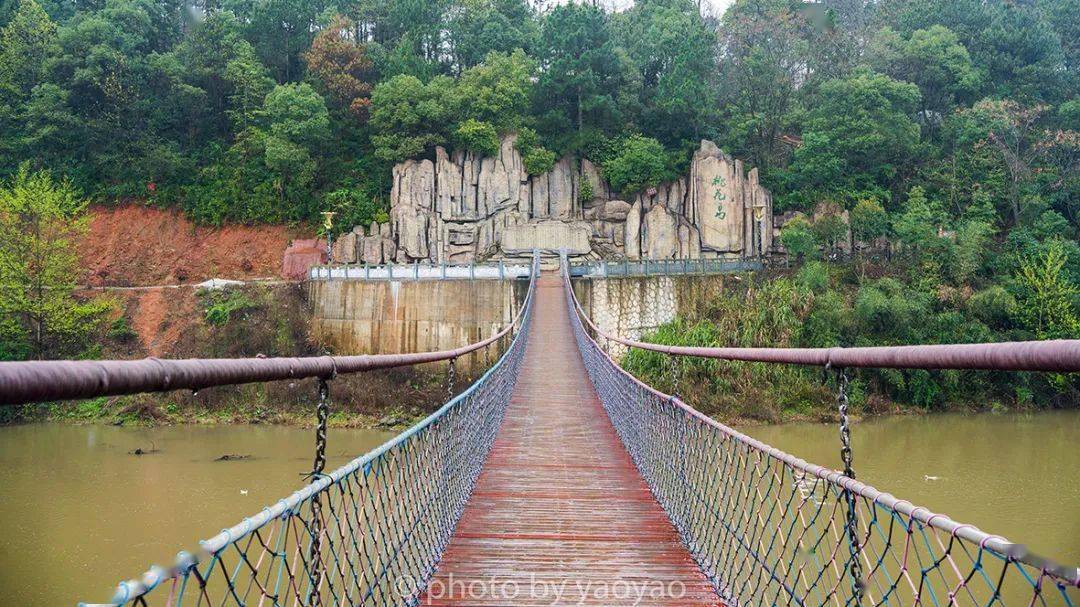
pixel 768 528
pixel 368 533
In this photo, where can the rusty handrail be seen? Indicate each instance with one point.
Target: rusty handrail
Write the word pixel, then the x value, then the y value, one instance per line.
pixel 41 381
pixel 1056 356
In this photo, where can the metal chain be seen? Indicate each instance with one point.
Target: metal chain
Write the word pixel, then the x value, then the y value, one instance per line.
pixel 673 370
pixel 322 415
pixel 450 378
pixel 855 566
pixel 315 553
pixel 845 429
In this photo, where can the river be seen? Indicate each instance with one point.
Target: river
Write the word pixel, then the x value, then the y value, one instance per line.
pixel 1013 475
pixel 78 512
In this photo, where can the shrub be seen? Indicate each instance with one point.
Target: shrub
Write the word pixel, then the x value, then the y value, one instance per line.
pixel 354 207
pixel 585 194
pixel 536 158
pixel 538 161
pixel 221 305
pixel 476 136
pixel 993 306
pixel 869 221
pixel 798 238
pixel 814 275
pixel 640 163
pixel 829 231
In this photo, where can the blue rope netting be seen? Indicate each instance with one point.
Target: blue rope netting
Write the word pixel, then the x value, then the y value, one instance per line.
pixel 381 522
pixel 770 529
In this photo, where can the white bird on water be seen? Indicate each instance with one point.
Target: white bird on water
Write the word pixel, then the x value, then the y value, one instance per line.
pixel 243 492
pixel 927 477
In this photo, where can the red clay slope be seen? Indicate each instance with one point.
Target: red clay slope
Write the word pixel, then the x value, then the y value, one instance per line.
pixel 135 245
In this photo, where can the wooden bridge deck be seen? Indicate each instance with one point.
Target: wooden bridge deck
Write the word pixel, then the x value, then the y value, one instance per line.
pixel 560 515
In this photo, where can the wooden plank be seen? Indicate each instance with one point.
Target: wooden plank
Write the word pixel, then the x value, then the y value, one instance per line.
pixel 560 515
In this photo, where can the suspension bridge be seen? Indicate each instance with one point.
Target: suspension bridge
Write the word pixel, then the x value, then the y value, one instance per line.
pixel 558 478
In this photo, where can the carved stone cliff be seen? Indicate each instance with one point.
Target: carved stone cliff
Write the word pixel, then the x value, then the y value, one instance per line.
pixel 462 208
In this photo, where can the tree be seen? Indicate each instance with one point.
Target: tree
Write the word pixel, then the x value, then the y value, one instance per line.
pixel 280 31
pixel 1047 296
pixel 342 67
pixel 857 139
pixel 228 79
pixel 409 117
pixel 640 163
pixel 477 136
pixel 763 64
pixel 829 230
pixel 582 73
pixel 675 54
pixel 40 220
pixel 869 221
pixel 935 61
pixel 497 91
pixel 299 125
pixel 917 226
pixel 797 236
pixel 1014 135
pixel 26 42
pixel 479 27
pixel 1012 43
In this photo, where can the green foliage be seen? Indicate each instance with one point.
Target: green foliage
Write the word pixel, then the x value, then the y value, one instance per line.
pixel 40 222
pixel 120 330
pixel 917 226
pixel 536 158
pixel 409 117
pixel 220 305
pixel 476 136
pixel 354 207
pixel 641 163
pixel 538 161
pixel 829 231
pixel 935 61
pixel 994 306
pixel 869 221
pixel 585 192
pixel 480 27
pixel 813 275
pixel 859 135
pixel 583 76
pixel 1048 298
pixel 797 236
pixel 497 91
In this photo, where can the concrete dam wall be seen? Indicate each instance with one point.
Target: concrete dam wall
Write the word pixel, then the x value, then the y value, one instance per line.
pixel 633 306
pixel 391 317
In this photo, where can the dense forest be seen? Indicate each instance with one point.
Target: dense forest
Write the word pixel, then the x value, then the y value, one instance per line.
pixel 941 139
pixel 273 110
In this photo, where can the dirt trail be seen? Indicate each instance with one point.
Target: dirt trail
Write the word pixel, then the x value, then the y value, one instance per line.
pixel 135 245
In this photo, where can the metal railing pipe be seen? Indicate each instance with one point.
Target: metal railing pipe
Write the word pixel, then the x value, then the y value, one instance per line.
pixel 40 381
pixel 1056 356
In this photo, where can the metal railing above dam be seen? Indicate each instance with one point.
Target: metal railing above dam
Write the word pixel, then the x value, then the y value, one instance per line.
pixel 421 271
pixel 662 267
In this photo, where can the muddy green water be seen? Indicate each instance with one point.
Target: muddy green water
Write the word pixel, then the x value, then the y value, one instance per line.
pixel 78 513
pixel 1013 475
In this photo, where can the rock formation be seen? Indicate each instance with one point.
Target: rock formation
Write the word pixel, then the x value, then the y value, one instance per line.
pixel 463 208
